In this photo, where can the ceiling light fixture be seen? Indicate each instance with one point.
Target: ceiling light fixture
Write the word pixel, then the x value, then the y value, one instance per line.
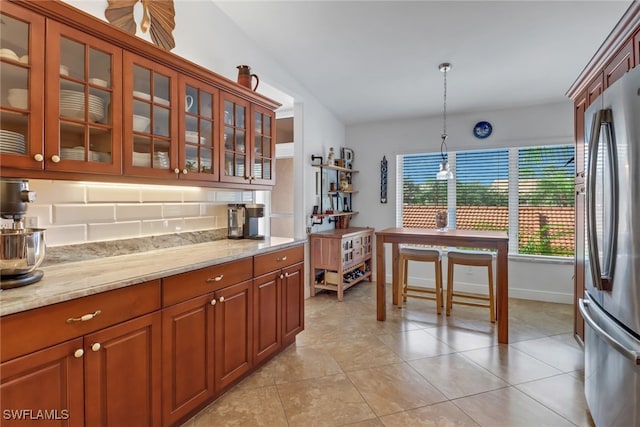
pixel 445 172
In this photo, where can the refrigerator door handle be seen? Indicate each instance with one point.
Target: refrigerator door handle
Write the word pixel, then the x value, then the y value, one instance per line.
pixel 633 355
pixel 602 277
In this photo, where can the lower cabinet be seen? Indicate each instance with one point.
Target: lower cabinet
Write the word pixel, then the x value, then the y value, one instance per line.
pixel 107 378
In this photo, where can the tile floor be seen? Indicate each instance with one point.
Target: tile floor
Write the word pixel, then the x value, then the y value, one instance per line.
pixel 414 369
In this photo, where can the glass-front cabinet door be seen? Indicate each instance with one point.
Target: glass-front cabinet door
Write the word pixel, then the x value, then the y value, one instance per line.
pixel 198 156
pixel 21 88
pixel 84 102
pixel 235 159
pixel 150 119
pixel 263 153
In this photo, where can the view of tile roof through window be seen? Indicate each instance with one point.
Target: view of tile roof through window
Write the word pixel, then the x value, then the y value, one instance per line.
pixel 536 222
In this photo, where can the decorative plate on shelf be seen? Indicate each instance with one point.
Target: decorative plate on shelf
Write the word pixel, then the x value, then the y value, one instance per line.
pixel 482 130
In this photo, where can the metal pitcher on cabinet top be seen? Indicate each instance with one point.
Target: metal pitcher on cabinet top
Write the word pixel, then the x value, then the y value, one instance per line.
pixel 245 77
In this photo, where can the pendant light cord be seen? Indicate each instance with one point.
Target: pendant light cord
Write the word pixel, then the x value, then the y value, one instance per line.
pixel 443 145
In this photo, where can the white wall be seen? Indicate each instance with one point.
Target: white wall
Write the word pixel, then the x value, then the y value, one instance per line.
pixel 530 126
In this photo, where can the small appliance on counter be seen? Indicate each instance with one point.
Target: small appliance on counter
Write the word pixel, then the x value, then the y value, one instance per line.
pixel 253 214
pixel 21 249
pixel 236 221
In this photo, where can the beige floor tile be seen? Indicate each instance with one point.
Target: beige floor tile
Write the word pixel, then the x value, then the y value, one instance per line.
pixel 510 364
pixel 464 339
pixel 362 353
pixel 301 363
pixel 563 394
pixel 416 344
pixel 444 414
pixel 555 352
pixel 244 407
pixel 327 401
pixel 509 407
pixel 368 423
pixel 456 376
pixel 393 388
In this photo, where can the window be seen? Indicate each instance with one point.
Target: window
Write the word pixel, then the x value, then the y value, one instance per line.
pixel 525 191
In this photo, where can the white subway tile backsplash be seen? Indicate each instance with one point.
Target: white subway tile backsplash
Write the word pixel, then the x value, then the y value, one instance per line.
pixel 199 195
pixel 153 194
pixel 211 209
pixel 57 191
pixel 200 223
pixel 173 210
pixel 230 196
pixel 43 212
pixel 83 214
pixel 117 230
pixel 107 194
pixel 138 211
pixel 65 234
pixel 162 226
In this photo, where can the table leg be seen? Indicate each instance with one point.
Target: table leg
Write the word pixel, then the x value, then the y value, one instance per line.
pixel 502 294
pixel 395 273
pixel 381 295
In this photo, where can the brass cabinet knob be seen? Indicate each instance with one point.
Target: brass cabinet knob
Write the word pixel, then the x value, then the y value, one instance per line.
pixel 55 158
pixel 78 353
pixel 38 157
pixel 215 279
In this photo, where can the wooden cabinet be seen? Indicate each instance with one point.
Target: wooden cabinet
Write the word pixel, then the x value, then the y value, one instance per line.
pixel 248 149
pixel 617 66
pixel 108 377
pixel 278 300
pixel 21 88
pixel 340 258
pixel 117 105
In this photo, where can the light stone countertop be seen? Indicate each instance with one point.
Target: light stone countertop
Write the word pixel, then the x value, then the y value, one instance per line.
pixel 63 282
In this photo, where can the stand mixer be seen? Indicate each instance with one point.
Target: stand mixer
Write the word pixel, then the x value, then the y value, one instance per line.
pixel 21 249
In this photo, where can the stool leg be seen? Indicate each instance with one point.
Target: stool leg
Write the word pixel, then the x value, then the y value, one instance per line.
pixel 439 303
pixel 405 279
pixel 401 273
pixel 491 298
pixel 449 287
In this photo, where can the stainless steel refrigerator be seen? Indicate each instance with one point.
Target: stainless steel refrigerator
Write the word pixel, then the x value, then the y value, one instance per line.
pixel 611 304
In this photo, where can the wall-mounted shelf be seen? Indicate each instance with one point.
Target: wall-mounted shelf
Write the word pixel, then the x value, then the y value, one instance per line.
pixel 340 197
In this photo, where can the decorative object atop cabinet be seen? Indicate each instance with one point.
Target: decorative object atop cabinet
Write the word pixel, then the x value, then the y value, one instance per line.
pixel 117 105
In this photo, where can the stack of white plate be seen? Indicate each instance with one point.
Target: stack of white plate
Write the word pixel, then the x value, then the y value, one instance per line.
pixel 72 105
pixel 77 153
pixel 161 160
pixel 141 159
pixel 12 142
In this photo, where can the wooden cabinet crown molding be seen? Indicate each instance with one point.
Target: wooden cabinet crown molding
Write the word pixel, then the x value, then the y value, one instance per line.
pixel 76 18
pixel 627 26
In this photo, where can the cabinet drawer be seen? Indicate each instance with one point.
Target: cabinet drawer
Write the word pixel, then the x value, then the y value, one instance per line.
pixel 182 287
pixel 24 332
pixel 278 259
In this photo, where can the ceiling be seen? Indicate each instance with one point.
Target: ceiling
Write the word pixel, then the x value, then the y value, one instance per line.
pixel 376 60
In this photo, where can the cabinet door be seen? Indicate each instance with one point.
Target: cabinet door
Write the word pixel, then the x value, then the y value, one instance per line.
pixel 49 380
pixel 267 321
pixel 198 106
pixel 22 88
pixel 150 119
pixel 263 156
pixel 187 357
pixel 235 150
pixel 292 302
pixel 233 333
pixel 123 374
pixel 84 104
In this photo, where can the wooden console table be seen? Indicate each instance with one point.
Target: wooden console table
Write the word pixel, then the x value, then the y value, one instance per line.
pixel 497 240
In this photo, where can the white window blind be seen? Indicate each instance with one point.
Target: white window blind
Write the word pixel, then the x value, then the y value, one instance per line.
pixel 540 204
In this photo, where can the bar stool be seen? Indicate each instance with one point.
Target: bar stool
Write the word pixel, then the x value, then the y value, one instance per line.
pixel 420 254
pixel 474 259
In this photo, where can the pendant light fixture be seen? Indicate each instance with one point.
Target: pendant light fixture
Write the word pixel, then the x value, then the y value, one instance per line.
pixel 445 172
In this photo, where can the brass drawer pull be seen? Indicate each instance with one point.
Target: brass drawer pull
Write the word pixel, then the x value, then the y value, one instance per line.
pixel 284 258
pixel 83 318
pixel 215 279
pixel 287 275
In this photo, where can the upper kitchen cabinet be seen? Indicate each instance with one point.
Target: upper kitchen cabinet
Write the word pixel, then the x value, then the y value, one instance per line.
pixel 149 117
pixel 199 129
pixel 248 151
pixel 84 105
pixel 21 88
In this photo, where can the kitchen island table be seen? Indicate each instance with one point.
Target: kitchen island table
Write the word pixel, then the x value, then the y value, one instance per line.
pixel 497 240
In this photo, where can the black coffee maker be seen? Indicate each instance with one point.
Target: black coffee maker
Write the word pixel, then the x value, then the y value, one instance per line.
pixel 252 215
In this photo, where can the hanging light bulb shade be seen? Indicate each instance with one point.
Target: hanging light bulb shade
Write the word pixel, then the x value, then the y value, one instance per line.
pixel 445 171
